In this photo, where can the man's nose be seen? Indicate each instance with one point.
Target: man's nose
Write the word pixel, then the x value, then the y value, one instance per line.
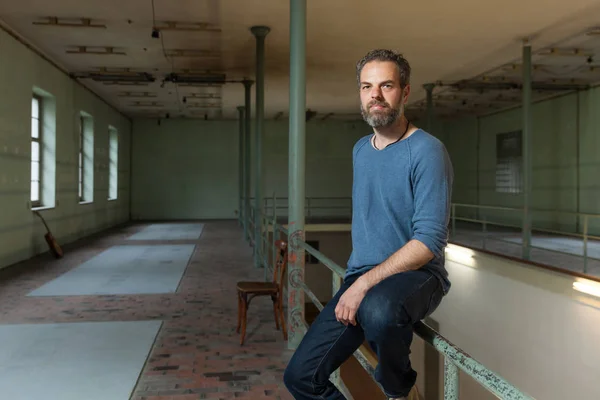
pixel 376 93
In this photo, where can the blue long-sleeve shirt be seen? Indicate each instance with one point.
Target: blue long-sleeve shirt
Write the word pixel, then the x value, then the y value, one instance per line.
pixel 400 193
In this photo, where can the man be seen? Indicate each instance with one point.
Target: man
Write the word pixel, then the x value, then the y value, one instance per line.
pixel 396 275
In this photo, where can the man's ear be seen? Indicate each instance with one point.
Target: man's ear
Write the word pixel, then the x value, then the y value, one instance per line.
pixel 405 94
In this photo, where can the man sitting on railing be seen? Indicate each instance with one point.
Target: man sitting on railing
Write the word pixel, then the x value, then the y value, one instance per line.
pixel 396 275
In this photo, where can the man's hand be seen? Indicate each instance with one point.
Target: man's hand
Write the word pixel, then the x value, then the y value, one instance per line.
pixel 347 306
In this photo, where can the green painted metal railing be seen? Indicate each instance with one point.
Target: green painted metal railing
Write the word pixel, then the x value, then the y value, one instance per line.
pixel 455 359
pixel 481 215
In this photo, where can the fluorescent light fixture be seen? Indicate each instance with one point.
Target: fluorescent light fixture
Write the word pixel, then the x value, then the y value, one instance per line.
pixel 588 287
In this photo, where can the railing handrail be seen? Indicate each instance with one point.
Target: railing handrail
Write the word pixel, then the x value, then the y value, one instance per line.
pixel 476 206
pixel 581 231
pixel 454 357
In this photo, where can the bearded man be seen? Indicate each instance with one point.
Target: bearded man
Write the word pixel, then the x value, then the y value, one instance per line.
pixel 395 277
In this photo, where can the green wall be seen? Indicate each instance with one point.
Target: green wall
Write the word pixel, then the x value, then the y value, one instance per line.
pixel 188 169
pixel 566 161
pixel 21 233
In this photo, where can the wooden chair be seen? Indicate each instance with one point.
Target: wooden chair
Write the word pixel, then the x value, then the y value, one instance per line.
pixel 248 290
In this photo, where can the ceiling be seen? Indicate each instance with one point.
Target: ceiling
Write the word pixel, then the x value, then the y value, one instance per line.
pixel 472 49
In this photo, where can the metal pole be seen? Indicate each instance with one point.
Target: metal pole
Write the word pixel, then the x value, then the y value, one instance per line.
pixel 451 382
pixel 248 133
pixel 241 151
pixel 297 151
pixel 274 235
pixel 429 88
pixel 527 150
pixel 585 243
pixel 336 284
pixel 260 32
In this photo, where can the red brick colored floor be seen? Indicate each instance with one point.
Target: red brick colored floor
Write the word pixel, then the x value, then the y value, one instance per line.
pixel 197 354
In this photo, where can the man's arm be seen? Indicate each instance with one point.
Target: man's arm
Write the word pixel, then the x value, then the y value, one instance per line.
pixel 413 255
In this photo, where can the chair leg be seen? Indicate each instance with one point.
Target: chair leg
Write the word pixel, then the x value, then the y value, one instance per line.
pixel 244 317
pixel 275 309
pixel 280 307
pixel 239 324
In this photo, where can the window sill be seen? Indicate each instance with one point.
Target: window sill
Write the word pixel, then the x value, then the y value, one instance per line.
pixel 112 199
pixel 82 203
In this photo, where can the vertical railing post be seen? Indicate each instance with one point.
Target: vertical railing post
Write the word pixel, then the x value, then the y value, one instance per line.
pixel 484 231
pixel 454 220
pixel 585 243
pixel 451 382
pixel 297 149
pixel 241 166
pixel 429 111
pixel 527 149
pixel 336 283
pixel 274 222
pixel 247 133
pixel 260 32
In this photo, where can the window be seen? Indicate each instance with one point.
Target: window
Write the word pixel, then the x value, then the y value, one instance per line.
pixel 86 158
pixel 43 149
pixel 81 158
pixel 36 151
pixel 509 162
pixel 113 161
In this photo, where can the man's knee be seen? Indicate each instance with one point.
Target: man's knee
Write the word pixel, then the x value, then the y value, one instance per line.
pixel 296 377
pixel 380 312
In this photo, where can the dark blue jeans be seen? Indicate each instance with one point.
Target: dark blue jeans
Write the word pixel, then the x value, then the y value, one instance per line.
pixel 385 319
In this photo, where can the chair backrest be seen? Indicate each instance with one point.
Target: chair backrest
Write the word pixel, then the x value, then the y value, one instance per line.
pixel 280 263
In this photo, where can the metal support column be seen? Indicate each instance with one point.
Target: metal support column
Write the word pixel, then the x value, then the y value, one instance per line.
pixel 527 150
pixel 248 142
pixel 297 159
pixel 260 32
pixel 429 88
pixel 241 166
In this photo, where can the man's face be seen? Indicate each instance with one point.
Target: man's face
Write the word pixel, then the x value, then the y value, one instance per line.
pixel 382 99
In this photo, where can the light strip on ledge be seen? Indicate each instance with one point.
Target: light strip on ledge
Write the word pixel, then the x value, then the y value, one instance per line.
pixel 588 287
pixel 460 254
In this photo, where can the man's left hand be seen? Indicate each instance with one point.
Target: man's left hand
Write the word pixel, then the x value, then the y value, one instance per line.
pixel 347 306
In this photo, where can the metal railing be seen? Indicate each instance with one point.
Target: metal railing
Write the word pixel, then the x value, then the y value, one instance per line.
pixel 455 359
pixel 488 218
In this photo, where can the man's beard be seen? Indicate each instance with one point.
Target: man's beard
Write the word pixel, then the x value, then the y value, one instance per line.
pixel 381 118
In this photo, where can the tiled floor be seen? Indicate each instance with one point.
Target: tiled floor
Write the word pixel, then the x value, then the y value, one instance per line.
pixel 197 353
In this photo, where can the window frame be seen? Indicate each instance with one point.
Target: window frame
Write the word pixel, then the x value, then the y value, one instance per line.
pixel 81 162
pixel 37 203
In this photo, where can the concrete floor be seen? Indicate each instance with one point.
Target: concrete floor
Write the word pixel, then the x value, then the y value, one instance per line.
pixel 197 352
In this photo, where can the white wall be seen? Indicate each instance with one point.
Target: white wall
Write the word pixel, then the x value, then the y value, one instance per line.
pixel 524 323
pixel 21 232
